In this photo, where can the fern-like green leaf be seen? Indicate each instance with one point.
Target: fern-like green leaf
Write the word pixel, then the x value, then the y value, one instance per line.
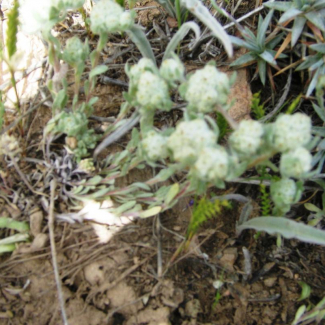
pixel 265 201
pixel 203 211
pixel 12 29
pixel 257 108
pixel 222 125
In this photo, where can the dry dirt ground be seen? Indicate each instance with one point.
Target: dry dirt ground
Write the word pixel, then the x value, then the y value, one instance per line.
pixel 135 277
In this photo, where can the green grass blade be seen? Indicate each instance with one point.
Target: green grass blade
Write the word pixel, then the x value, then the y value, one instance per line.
pixel 286 228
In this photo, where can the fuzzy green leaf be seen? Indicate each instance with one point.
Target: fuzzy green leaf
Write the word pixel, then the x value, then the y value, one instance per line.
pixel 173 191
pixel 285 227
pixel 139 38
pixel 13 224
pixel 179 36
pixel 14 239
pixel 306 290
pixel 125 207
pixel 97 70
pixel 150 213
pixel 204 15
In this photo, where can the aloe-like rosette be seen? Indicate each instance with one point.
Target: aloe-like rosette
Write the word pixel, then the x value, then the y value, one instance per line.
pixel 212 164
pixel 154 146
pixel 284 193
pixel 152 93
pixel 295 163
pixel 247 139
pixel 40 16
pixel 291 132
pixel 75 51
pixel 189 138
pixel 108 16
pixel 205 89
pixel 172 70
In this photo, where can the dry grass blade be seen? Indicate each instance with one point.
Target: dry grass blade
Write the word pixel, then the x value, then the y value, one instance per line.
pixel 283 45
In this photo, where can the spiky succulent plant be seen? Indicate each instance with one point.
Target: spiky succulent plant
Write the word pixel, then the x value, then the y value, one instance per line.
pixel 300 11
pixel 261 50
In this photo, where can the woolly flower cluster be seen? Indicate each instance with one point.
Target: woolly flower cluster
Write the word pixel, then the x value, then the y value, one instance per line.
pixel 75 51
pixel 40 16
pixel 284 193
pixel 138 69
pixel 109 17
pixel 155 146
pixel 147 87
pixel 188 140
pixel 291 132
pixel 247 139
pixel 172 70
pixel 295 163
pixel 152 92
pixel 212 164
pixel 205 89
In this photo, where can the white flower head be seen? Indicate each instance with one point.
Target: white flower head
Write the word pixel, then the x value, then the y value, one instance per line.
pixel 126 20
pixel 86 165
pixel 206 88
pixel 189 138
pixel 108 16
pixel 172 70
pixel 155 146
pixel 152 92
pixel 40 16
pixel 212 164
pixel 9 145
pixel 284 192
pixel 291 132
pixel 75 51
pixel 247 139
pixel 137 70
pixel 295 163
